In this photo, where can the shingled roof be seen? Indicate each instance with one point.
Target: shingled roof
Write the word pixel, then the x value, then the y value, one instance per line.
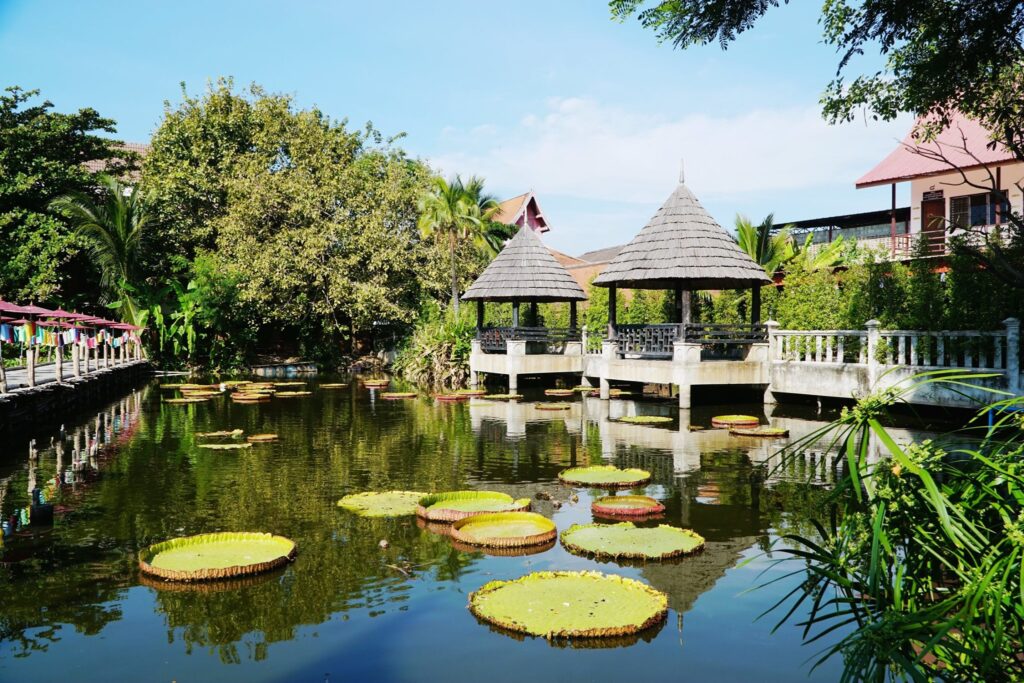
pixel 525 271
pixel 682 245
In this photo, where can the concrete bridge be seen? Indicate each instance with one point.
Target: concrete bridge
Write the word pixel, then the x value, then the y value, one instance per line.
pixel 841 364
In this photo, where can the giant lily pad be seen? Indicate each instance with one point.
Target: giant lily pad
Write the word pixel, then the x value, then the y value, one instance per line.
pixel 452 506
pixel 376 383
pixel 396 395
pixel 504 397
pixel 471 392
pixel 451 397
pixel 225 446
pixel 250 398
pixel 553 406
pixel 626 506
pixel 334 385
pixel 570 605
pixel 763 431
pixel 626 540
pixel 220 434
pixel 727 421
pixel 289 384
pixel 558 392
pixel 382 504
pixel 645 419
pixel 505 530
pixel 604 476
pixel 183 401
pixel 262 438
pixel 293 394
pixel 208 557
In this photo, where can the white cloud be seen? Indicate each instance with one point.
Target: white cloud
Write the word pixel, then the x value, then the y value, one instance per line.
pixel 584 149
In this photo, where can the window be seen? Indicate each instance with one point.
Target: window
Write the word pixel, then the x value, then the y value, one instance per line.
pixel 977 209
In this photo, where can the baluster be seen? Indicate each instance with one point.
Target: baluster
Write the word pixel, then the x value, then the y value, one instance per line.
pixel 997 344
pixel 927 349
pixel 902 349
pixel 913 350
pixel 839 349
pixel 968 353
pixel 817 348
pixel 807 348
pixel 828 349
pixel 940 350
pixel 983 352
pixel 862 354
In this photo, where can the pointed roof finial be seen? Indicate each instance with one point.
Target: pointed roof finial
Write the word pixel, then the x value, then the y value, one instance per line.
pixel 682 171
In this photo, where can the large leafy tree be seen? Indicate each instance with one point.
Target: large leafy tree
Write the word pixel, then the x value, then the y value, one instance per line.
pixel 455 213
pixel 941 56
pixel 43 154
pixel 112 225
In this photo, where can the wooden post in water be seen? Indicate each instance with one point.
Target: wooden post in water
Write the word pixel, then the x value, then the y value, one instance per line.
pixel 30 363
pixel 58 362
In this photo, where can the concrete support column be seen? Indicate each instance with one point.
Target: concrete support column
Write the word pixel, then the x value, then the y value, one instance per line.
pixel 515 351
pixel 474 353
pixel 773 353
pixel 873 365
pixel 684 395
pixel 30 362
pixel 1013 378
pixel 609 353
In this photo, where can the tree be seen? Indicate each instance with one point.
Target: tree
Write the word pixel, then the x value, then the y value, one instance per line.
pixel 942 56
pixel 453 212
pixel 766 246
pixel 113 226
pixel 43 154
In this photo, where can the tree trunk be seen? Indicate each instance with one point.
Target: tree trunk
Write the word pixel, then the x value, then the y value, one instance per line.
pixel 455 278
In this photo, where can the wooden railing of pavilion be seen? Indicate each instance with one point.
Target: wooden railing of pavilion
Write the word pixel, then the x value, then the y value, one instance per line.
pixel 538 339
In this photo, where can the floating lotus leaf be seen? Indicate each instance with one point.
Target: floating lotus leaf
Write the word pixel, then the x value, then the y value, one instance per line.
pixel 645 419
pixel 471 392
pixel 382 504
pixel 288 384
pixel 250 398
pixel 262 438
pixel 395 395
pixel 563 604
pixel 505 529
pixel 734 421
pixel 504 397
pixel 604 476
pixel 169 387
pixel 451 397
pixel 626 540
pixel 626 506
pixel 225 446
pixel 517 551
pixel 200 394
pixel 558 392
pixel 221 434
pixel 293 394
pixel 376 383
pixel 209 557
pixel 236 382
pixel 334 385
pixel 553 406
pixel 181 401
pixel 765 432
pixel 582 389
pixel 451 506
pixel 620 393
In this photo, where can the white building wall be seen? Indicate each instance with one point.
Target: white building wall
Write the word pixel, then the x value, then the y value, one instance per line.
pixel 952 185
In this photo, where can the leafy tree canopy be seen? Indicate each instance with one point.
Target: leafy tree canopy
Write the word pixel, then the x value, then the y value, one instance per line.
pixel 940 55
pixel 43 154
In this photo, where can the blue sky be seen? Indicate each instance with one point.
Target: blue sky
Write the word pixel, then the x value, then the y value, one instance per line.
pixel 593 115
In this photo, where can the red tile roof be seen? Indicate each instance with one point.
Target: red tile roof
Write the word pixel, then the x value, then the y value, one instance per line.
pixel 903 163
pixel 140 148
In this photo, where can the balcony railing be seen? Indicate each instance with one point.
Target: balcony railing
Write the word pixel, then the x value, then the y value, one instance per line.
pixel 538 339
pixel 657 341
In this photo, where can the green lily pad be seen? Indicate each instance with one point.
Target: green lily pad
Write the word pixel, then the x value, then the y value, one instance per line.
pixel 734 421
pixel 558 392
pixel 225 446
pixel 564 604
pixel 293 394
pixel 216 556
pixel 626 540
pixel 626 506
pixel 184 401
pixel 505 529
pixel 334 385
pixel 452 506
pixel 645 419
pixel 395 395
pixel 764 432
pixel 471 392
pixel 382 503
pixel 553 406
pixel 604 476
pixel 504 397
pixel 221 434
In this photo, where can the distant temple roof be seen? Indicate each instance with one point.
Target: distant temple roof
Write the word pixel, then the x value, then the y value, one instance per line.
pixel 100 165
pixel 601 255
pixel 903 163
pixel 525 270
pixel 682 245
pixel 520 210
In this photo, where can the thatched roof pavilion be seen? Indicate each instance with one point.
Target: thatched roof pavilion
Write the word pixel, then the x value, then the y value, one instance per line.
pixel 525 270
pixel 684 249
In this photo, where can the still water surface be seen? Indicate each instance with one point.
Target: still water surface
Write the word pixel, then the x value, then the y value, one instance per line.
pixel 73 606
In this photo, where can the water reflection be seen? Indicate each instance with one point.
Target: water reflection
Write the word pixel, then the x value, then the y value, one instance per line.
pixel 133 474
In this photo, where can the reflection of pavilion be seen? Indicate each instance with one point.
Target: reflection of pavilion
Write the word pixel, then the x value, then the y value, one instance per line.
pixel 515 415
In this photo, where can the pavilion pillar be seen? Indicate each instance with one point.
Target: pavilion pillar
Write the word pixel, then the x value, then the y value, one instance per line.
pixel 479 316
pixel 534 318
pixel 572 315
pixel 755 304
pixel 685 312
pixel 515 314
pixel 612 323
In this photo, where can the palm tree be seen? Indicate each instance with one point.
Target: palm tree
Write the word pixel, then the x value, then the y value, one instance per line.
pixel 770 251
pixel 825 256
pixel 112 223
pixel 452 212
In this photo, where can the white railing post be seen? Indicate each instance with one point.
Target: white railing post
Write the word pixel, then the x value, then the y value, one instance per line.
pixel 1013 354
pixel 873 338
pixel 583 339
pixel 773 341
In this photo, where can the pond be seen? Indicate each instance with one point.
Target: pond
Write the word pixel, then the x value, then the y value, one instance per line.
pixel 74 606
